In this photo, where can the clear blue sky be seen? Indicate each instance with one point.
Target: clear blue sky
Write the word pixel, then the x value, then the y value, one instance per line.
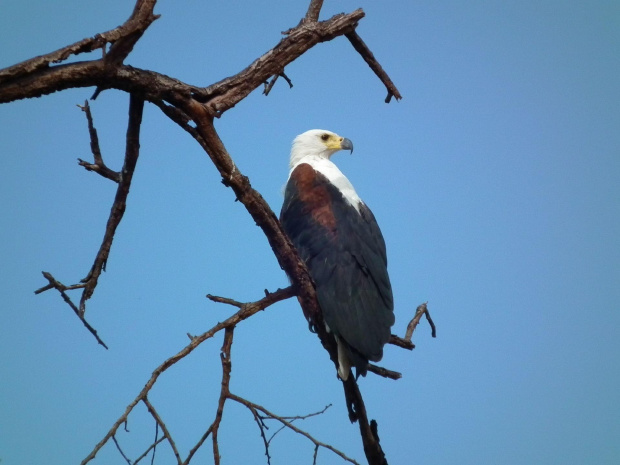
pixel 496 182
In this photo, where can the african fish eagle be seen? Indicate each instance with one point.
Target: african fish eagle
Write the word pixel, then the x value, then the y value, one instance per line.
pixel 337 236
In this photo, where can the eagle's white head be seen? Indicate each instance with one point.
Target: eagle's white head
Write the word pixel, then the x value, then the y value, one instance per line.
pixel 315 147
pixel 317 143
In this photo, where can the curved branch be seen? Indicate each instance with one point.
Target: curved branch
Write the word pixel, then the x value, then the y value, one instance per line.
pixel 26 81
pixel 125 37
pixel 225 94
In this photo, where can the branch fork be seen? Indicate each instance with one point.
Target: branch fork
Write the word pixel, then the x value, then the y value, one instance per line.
pixel 194 108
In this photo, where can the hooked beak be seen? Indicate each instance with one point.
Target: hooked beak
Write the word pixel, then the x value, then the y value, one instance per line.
pixel 346 144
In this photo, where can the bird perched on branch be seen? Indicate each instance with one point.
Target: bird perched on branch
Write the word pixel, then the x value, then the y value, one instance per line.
pixel 337 236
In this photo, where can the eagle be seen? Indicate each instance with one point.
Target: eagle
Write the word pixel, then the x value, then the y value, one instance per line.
pixel 339 239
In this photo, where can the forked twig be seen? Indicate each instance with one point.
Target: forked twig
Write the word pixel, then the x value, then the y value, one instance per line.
pixel 163 427
pixel 421 310
pixel 288 424
pixel 54 284
pixel 98 166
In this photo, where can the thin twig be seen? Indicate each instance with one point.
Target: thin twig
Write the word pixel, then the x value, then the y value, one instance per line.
pixel 225 390
pixel 244 313
pixel 269 85
pixel 369 58
pixel 261 427
pixel 151 447
pixel 198 445
pixel 98 166
pixel 288 424
pixel 430 322
pixel 155 443
pixel 54 284
pixel 292 419
pixel 421 310
pixel 269 299
pixel 120 450
pixel 309 415
pixel 163 427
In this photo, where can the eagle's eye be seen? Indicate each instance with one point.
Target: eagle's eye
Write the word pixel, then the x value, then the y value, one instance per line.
pixel 325 137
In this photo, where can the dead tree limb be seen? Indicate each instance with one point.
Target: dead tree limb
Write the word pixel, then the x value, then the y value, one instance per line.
pixel 194 109
pixel 98 166
pixel 367 55
pixel 132 150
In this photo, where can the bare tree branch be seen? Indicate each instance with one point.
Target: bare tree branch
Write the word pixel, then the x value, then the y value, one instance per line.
pixel 367 55
pixel 314 10
pixel 194 109
pixel 421 310
pixel 288 424
pixel 261 426
pixel 377 370
pixel 118 447
pixel 134 27
pixel 163 427
pixel 98 166
pixel 225 390
pixel 54 284
pixel 88 284
pixel 269 85
pixel 401 342
pixel 132 150
pixel 246 311
pixel 151 447
pixel 217 97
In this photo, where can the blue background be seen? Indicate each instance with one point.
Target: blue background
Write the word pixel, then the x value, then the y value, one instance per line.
pixel 496 182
